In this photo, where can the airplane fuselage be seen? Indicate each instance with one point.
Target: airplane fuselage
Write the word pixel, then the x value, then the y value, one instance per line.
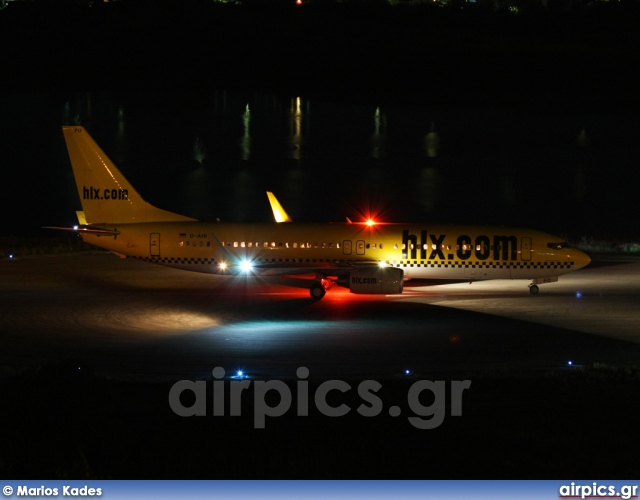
pixel 421 251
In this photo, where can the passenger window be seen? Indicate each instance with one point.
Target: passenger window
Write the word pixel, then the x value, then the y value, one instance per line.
pixel 235 244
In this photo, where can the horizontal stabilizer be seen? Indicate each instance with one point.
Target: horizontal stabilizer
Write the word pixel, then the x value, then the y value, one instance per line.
pixel 86 229
pixel 82 220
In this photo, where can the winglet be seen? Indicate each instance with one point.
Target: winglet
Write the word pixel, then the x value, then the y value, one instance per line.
pixel 279 213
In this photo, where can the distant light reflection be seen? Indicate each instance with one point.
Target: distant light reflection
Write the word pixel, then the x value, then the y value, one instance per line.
pixel 121 143
pixel 199 151
pixel 296 139
pixel 378 138
pixel 432 142
pixel 245 141
pixel 581 141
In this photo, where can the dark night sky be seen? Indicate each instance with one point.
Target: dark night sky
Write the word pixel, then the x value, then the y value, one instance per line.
pixel 552 71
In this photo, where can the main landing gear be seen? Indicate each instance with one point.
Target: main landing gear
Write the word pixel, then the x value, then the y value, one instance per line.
pixel 320 287
pixel 317 291
pixel 534 289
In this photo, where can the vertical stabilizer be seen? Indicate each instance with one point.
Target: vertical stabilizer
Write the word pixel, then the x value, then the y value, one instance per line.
pixel 106 195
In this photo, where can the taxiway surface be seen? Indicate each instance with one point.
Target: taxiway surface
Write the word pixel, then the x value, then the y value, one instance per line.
pixel 130 319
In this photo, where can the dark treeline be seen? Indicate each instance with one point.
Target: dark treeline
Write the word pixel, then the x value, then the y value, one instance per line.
pixel 490 51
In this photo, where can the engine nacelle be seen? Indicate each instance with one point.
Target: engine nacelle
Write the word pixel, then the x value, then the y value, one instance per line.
pixel 387 280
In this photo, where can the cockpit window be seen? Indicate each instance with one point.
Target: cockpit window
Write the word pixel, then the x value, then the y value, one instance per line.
pixel 558 245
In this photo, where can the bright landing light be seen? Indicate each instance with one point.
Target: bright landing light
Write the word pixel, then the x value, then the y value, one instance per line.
pixel 370 222
pixel 246 266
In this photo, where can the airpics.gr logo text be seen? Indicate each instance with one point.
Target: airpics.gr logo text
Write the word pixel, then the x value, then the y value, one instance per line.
pixel 423 416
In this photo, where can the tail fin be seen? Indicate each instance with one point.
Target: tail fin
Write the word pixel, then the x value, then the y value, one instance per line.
pixel 106 196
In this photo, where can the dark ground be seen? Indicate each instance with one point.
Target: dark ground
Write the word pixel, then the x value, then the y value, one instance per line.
pixel 62 423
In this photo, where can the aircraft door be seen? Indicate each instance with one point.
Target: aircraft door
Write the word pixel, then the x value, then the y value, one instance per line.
pixel 360 247
pixel 525 245
pixel 346 247
pixel 154 244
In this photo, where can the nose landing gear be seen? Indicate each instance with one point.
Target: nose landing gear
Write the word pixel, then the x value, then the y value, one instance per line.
pixel 533 286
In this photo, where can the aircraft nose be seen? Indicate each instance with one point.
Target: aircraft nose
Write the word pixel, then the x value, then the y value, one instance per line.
pixel 580 258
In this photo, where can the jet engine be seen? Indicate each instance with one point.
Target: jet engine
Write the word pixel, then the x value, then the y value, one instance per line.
pixel 381 280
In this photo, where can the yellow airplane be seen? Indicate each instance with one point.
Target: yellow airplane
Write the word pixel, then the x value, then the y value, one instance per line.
pixel 367 258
